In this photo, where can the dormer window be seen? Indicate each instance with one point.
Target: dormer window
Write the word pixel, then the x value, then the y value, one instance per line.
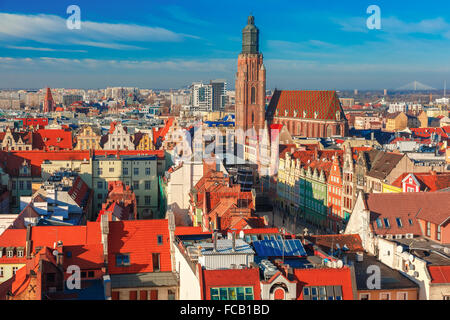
pixel 20 252
pixel 316 114
pixel 9 252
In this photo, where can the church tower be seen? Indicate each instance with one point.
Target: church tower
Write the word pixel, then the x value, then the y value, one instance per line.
pixel 49 103
pixel 250 82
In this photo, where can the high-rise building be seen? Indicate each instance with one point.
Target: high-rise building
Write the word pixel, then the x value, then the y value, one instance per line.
pixel 201 96
pixel 219 94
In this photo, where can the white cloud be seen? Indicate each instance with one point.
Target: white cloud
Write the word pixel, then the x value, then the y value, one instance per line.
pixel 394 25
pixel 52 29
pixel 43 49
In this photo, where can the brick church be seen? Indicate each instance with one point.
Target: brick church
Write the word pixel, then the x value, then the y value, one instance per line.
pixel 304 113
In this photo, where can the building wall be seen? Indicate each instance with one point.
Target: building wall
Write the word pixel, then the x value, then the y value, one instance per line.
pixel 394 294
pixel 189 282
pixel 125 293
pixel 8 269
pixel 112 170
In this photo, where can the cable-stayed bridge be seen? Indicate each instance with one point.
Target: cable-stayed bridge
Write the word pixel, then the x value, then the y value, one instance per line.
pixel 416 86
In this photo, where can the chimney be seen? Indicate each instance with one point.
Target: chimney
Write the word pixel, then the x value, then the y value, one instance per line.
pixel 215 241
pixel 233 242
pixel 28 243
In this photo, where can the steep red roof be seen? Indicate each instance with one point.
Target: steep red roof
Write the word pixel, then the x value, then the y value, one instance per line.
pixel 351 241
pixel 303 104
pixel 52 139
pixel 139 239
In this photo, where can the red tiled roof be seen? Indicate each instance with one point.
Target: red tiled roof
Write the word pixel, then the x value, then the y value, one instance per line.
pixel 325 103
pixel 429 206
pixel 439 274
pixel 325 277
pixel 138 238
pixel 231 278
pixel 182 231
pixel 428 181
pixel 52 138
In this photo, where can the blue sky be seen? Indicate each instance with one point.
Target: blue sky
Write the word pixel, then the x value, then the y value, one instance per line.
pixel 169 44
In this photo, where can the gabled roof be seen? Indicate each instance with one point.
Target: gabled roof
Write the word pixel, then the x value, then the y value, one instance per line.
pixel 139 239
pixel 429 206
pixel 429 181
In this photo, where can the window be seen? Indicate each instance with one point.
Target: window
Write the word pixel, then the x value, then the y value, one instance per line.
pixel 322 293
pixel 160 239
pixel 125 171
pixel 385 296
pixel 410 222
pixel 83 274
pixel 28 185
pixel 90 274
pixel 20 185
pixel 364 296
pixel 402 296
pixel 100 185
pixel 170 295
pixel 147 171
pixel 399 222
pixel 14 270
pixel 99 171
pixel 136 185
pixel 232 293
pixel 155 260
pixel 20 253
pixel 122 260
pixel 428 229
pixel 386 222
pixel 153 294
pixel 136 171
pixel 147 200
pixel 438 233
pixel 1 272
pixel 379 223
pixel 148 184
pixel 9 253
pixel 99 196
pixel 253 95
pixel 111 169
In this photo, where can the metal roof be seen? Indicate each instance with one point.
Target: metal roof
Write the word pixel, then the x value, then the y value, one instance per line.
pixel 147 279
pixel 274 248
pixel 224 246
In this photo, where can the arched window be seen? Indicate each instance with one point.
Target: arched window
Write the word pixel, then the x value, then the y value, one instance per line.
pixel 253 95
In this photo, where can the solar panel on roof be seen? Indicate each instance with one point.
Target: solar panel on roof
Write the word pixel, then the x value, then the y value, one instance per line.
pixel 278 248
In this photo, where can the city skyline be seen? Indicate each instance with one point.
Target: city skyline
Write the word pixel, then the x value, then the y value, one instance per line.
pixel 172 44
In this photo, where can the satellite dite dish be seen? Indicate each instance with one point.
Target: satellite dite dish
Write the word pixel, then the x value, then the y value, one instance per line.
pixel 241 234
pixel 411 258
pixel 55 252
pixel 340 264
pixel 399 249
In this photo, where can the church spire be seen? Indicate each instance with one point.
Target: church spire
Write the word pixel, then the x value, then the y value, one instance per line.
pixel 250 37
